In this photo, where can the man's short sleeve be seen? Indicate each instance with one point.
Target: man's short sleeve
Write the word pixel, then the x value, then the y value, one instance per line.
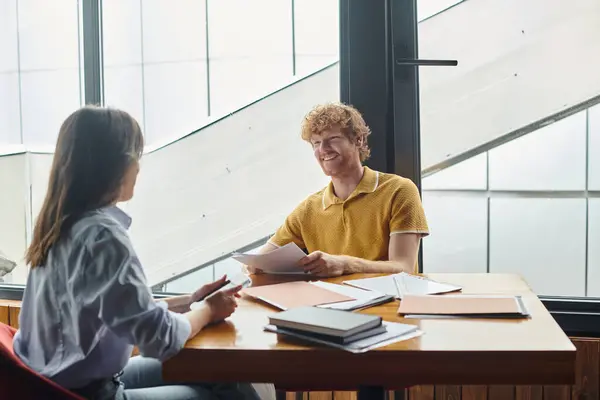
pixel 291 230
pixel 407 214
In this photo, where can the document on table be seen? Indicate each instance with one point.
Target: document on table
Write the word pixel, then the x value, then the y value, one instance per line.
pixel 283 260
pixel 412 284
pixel 395 332
pixel 363 298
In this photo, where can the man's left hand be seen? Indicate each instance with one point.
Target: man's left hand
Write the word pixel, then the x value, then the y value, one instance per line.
pixel 323 264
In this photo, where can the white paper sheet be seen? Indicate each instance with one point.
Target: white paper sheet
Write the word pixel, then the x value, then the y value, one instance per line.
pixel 283 260
pixel 412 284
pixel 363 297
pixel 396 332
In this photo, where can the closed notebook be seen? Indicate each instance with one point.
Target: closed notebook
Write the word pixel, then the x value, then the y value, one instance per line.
pixel 463 305
pixel 325 321
pixel 333 338
pixel 295 294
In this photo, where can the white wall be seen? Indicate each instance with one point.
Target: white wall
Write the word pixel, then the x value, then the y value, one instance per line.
pixel 519 61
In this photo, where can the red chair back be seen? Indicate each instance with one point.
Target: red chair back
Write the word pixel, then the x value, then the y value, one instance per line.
pixel 17 381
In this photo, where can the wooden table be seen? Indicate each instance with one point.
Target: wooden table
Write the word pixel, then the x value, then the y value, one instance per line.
pixel 534 351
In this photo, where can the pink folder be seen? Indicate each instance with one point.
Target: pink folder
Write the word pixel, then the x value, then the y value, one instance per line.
pixel 295 294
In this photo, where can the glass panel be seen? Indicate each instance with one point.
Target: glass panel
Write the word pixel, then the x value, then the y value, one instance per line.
pixel 250 51
pixel 174 33
pixel 122 54
pixel 469 174
pixel 49 66
pixel 541 239
pixel 42 118
pixel 124 88
pixel 10 121
pixel 175 99
pixel 551 158
pixel 458 241
pixel 155 64
pixel 593 248
pixel 594 148
pixel 121 33
pixel 316 34
pixel 10 125
pixel 48 43
pixel 174 49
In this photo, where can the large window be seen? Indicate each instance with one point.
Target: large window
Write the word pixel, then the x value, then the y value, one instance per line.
pixel 179 67
pixel 509 149
pixel 219 88
pixel 40 85
pixel 39 69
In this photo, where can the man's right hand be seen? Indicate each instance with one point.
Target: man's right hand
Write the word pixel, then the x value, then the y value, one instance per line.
pixel 222 304
pixel 252 270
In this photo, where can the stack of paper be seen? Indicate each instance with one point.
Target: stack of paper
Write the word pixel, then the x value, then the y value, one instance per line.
pixel 395 332
pixel 349 331
pixel 411 284
pixel 362 298
pixel 283 260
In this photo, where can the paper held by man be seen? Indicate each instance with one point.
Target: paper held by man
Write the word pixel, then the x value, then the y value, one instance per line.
pixel 283 260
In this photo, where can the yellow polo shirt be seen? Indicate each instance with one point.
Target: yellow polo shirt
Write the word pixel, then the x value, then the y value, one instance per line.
pixel 381 205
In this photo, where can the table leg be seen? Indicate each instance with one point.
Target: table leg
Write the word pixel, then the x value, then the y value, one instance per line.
pixel 371 393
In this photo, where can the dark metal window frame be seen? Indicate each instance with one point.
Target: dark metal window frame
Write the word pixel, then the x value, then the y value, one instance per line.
pixel 378 75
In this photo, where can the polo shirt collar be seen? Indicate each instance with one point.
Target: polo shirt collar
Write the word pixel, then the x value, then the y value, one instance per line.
pixel 368 184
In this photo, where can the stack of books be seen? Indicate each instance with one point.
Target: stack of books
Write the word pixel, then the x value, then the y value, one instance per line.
pixel 337 328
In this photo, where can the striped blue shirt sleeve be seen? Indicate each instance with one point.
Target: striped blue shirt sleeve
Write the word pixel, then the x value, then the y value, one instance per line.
pixel 116 286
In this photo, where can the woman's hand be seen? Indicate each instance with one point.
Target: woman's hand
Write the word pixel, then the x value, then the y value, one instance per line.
pixel 223 303
pixel 206 289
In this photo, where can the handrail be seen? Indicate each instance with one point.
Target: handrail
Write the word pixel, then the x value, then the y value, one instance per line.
pixel 510 136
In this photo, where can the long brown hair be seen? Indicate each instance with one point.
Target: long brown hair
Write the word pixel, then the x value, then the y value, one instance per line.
pixel 94 149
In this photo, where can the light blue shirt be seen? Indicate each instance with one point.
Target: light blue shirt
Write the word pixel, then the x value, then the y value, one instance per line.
pixel 84 310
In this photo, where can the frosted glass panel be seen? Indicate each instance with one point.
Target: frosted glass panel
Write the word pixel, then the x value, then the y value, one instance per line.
pixel 48 34
pixel 175 32
pixel 42 118
pixel 121 32
pixel 10 124
pixel 594 248
pixel 458 240
pixel 191 282
pixel 123 89
pixel 552 158
pixel 250 51
pixel 541 239
pixel 175 99
pixel 8 37
pixel 594 156
pixel 469 174
pixel 317 34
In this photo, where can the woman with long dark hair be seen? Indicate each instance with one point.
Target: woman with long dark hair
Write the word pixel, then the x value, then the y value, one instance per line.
pixel 87 303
